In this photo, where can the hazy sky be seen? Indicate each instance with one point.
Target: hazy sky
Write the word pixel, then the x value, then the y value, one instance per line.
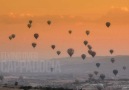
pixel 77 15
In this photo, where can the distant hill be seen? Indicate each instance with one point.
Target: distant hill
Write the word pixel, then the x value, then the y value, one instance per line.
pixel 75 67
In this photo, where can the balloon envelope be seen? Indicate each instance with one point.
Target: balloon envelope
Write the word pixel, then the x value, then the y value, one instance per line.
pixel 112 60
pixel 96 72
pixel 115 72
pixel 13 35
pixel 30 21
pixel 124 67
pixel 108 24
pixel 36 35
pixel 102 76
pixel 87 32
pixel 111 51
pixel 52 69
pixel 29 25
pixel 83 56
pixel 53 46
pixel 98 65
pixel 70 51
pixel 90 52
pixel 70 31
pixel 49 22
pixel 89 46
pixel 58 52
pixel 34 45
pixel 93 53
pixel 85 42
pixel 10 37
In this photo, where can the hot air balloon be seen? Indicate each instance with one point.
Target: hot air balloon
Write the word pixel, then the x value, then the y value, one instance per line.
pixel 115 72
pixel 85 42
pixel 102 76
pixel 10 37
pixel 52 69
pixel 53 46
pixel 112 60
pixel 87 32
pixel 58 52
pixel 29 25
pixel 36 35
pixel 49 22
pixel 83 56
pixel 70 51
pixel 93 53
pixel 97 65
pixel 89 46
pixel 124 67
pixel 108 24
pixel 13 35
pixel 111 51
pixel 34 44
pixel 30 21
pixel 70 31
pixel 96 72
pixel 90 52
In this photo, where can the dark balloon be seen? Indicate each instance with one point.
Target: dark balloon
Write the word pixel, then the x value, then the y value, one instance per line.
pixel 85 42
pixel 108 24
pixel 96 72
pixel 87 32
pixel 58 52
pixel 52 69
pixel 13 35
pixel 30 21
pixel 112 60
pixel 83 56
pixel 70 51
pixel 10 37
pixel 89 47
pixel 93 53
pixel 53 46
pixel 29 25
pixel 111 51
pixel 124 67
pixel 90 52
pixel 98 65
pixel 115 72
pixel 49 22
pixel 36 35
pixel 34 45
pixel 102 76
pixel 70 31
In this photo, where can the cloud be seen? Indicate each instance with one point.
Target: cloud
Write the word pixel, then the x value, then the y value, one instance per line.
pixel 13 18
pixel 120 8
pixel 117 15
pixel 125 9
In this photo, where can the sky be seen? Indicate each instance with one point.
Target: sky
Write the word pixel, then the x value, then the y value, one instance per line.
pixel 75 15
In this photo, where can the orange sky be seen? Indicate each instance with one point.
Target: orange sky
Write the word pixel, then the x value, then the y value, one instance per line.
pixel 65 14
